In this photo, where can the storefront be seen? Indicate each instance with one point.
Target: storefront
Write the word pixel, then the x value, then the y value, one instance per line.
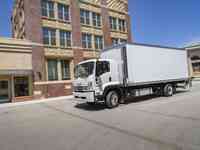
pixel 15 87
pixel 15 70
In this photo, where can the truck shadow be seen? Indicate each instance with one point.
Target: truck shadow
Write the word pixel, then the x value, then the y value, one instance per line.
pixel 95 107
pixel 130 100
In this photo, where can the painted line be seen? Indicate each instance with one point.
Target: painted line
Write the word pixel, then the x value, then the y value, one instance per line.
pixel 35 101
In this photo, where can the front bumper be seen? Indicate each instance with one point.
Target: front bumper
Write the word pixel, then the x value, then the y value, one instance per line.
pixel 88 96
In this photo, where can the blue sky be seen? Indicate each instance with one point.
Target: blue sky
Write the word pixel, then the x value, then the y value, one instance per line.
pixel 168 23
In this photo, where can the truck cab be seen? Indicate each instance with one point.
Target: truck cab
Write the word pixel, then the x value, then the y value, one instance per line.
pixel 92 77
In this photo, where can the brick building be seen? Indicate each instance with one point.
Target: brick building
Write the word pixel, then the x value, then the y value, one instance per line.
pixel 70 31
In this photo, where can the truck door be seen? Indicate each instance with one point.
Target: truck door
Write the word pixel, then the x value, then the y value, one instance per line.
pixel 103 71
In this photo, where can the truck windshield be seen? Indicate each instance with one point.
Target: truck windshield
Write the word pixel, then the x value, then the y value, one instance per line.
pixel 84 70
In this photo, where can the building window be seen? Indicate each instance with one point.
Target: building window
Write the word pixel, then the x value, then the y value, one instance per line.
pixel 63 12
pixel 65 67
pixel 113 23
pixel 86 40
pixel 96 19
pixel 123 41
pixel 49 36
pixel 21 85
pixel 98 42
pixel 122 25
pixel 58 69
pixel 85 16
pixel 65 38
pixel 196 67
pixel 115 41
pixel 47 9
pixel 52 70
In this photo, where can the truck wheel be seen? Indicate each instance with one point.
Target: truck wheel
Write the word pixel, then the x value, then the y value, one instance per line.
pixel 168 90
pixel 157 91
pixel 112 99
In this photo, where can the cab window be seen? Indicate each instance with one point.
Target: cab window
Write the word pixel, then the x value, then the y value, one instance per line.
pixel 102 67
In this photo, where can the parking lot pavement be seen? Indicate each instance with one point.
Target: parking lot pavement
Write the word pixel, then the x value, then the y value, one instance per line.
pixel 147 123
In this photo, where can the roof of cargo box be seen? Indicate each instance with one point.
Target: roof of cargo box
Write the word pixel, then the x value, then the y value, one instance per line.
pixel 141 44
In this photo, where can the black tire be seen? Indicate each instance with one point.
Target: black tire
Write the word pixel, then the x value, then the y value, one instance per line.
pixel 168 90
pixel 112 99
pixel 157 91
pixel 174 89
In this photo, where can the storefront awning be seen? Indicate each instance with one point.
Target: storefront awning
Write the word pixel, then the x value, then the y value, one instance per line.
pixel 16 72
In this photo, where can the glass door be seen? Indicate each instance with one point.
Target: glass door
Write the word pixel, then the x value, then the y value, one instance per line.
pixel 4 91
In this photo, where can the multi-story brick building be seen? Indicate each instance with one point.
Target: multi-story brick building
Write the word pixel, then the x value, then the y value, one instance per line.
pixel 70 31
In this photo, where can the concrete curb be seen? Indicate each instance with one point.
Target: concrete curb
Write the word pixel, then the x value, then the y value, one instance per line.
pixel 35 101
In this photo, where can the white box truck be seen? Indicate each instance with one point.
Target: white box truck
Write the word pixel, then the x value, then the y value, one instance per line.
pixel 130 70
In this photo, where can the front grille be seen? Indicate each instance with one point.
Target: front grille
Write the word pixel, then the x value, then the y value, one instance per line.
pixel 80 88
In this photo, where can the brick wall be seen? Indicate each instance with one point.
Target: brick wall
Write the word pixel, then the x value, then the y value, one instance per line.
pixel 33 32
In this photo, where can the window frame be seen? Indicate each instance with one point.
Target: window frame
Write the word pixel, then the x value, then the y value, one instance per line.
pixel 98 41
pixel 49 36
pixel 85 17
pixel 122 25
pixel 63 12
pixel 96 19
pixel 54 78
pixel 24 81
pixel 87 40
pixel 48 9
pixel 62 69
pixel 67 38
pixel 68 77
pixel 113 23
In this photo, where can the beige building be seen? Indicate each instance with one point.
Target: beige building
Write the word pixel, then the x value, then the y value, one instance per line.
pixel 15 70
pixel 194 55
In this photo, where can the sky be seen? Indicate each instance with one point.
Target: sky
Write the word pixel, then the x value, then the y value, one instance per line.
pixel 173 23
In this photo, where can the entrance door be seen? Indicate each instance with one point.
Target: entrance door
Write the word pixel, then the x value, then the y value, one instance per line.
pixel 4 91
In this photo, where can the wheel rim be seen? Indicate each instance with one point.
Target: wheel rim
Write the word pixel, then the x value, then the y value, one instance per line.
pixel 170 90
pixel 114 99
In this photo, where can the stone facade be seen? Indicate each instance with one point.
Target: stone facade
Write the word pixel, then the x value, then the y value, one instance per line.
pixel 16 70
pixel 194 55
pixel 31 24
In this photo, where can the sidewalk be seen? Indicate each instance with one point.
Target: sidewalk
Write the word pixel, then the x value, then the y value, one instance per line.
pixel 35 101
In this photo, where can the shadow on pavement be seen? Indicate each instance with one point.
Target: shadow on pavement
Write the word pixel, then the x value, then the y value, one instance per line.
pixel 131 100
pixel 95 107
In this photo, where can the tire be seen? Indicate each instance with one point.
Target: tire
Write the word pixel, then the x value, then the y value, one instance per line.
pixel 174 90
pixel 168 90
pixel 157 91
pixel 112 99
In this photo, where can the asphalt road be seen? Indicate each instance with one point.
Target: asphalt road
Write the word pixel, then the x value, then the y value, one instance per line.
pixel 148 123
